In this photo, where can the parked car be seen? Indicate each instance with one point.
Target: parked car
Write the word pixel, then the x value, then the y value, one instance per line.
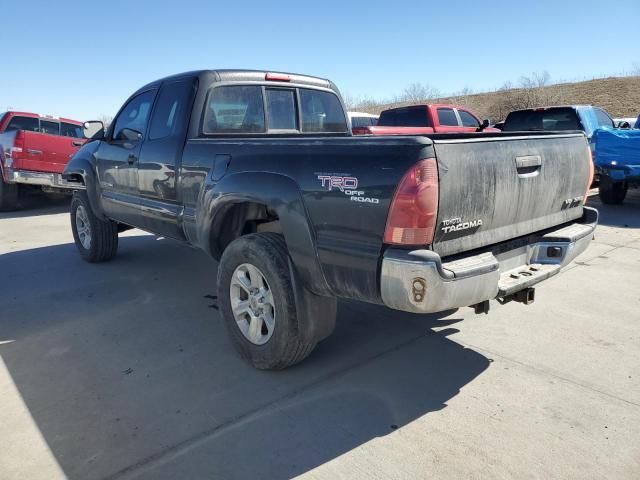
pixel 424 119
pixel 270 182
pixel 616 154
pixel 624 122
pixel 34 150
pixel 613 179
pixel 586 118
pixel 361 119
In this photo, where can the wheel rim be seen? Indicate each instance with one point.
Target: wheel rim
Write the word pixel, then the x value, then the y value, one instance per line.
pixel 252 304
pixel 83 227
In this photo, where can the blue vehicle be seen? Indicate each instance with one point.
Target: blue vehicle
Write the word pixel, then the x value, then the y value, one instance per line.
pixel 637 125
pixel 616 152
pixel 616 155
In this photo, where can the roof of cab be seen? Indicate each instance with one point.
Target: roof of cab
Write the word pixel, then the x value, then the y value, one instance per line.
pixel 236 75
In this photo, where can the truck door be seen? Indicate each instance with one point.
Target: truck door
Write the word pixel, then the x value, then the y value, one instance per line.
pixel 160 158
pixel 117 159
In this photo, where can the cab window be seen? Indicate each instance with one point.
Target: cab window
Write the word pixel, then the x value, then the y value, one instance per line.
pixel 170 112
pixel 134 115
pixel 321 112
pixel 235 109
pixel 602 118
pixel 28 124
pixel 71 130
pixel 447 117
pixel 50 128
pixel 281 109
pixel 468 120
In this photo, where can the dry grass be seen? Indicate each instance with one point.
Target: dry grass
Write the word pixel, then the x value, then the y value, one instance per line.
pixel 620 96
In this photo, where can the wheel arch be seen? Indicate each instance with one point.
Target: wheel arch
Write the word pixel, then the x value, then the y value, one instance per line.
pixel 251 202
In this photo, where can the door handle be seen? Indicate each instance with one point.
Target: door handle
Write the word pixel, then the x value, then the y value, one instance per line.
pixel 34 152
pixel 528 165
pixel 131 159
pixel 76 144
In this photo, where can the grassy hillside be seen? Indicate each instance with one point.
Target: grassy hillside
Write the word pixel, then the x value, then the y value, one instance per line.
pixel 620 96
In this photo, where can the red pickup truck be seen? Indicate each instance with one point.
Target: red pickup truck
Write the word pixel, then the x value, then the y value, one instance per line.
pixel 427 118
pixel 34 150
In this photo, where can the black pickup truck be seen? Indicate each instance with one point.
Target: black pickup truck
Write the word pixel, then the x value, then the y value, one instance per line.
pixel 260 170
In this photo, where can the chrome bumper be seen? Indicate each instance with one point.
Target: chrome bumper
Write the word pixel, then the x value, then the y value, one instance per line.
pixel 418 281
pixel 54 180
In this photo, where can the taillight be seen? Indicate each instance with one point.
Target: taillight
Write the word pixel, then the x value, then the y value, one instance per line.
pixel 590 180
pixel 413 211
pixel 13 153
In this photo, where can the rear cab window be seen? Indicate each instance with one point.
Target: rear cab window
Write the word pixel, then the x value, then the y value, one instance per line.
pixel 563 118
pixel 246 109
pixel 447 117
pixel 28 124
pixel 405 117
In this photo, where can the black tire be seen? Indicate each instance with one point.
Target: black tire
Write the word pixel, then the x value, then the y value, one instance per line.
pixel 611 193
pixel 8 195
pixel 103 234
pixel 290 341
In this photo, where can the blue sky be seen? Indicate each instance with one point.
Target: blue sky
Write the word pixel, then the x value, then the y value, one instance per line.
pixel 82 59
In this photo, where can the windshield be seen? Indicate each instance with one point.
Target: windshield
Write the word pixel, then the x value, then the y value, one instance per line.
pixel 563 118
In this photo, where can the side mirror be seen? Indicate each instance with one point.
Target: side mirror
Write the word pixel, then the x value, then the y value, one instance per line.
pixel 93 128
pixel 129 134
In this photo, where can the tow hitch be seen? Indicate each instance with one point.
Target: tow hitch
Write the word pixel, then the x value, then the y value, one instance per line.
pixel 526 296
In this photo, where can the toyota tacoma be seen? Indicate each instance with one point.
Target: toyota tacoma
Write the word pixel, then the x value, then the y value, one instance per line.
pixel 261 171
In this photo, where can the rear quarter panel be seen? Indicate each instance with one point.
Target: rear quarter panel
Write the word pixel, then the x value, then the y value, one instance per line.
pixel 346 233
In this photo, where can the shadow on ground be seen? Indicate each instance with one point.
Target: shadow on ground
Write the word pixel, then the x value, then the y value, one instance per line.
pixel 126 370
pixel 626 215
pixel 34 203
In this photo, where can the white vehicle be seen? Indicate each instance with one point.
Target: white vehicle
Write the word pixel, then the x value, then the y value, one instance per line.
pixel 361 119
pixel 622 122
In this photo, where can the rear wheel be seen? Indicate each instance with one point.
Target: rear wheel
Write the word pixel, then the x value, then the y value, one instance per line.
pixel 258 304
pixel 96 239
pixel 612 193
pixel 8 195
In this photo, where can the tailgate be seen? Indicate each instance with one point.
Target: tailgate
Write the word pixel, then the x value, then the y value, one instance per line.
pixel 499 188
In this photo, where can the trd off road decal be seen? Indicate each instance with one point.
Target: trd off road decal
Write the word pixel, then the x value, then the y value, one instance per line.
pixel 456 227
pixel 347 185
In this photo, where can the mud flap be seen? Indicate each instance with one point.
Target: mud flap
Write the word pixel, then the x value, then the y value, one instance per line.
pixel 316 314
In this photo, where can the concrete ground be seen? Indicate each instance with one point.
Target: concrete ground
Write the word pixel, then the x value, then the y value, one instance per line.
pixel 122 370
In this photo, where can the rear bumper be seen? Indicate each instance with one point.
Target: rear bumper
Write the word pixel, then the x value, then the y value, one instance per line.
pixel 46 179
pixel 418 281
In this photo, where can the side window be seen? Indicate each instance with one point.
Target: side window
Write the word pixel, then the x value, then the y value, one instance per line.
pixel 28 124
pixel 468 120
pixel 404 117
pixel 321 112
pixel 71 130
pixel 50 128
pixel 170 113
pixel 235 109
pixel 447 117
pixel 134 115
pixel 281 109
pixel 602 118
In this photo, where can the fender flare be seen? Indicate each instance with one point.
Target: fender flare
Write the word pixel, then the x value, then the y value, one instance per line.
pixel 83 164
pixel 279 193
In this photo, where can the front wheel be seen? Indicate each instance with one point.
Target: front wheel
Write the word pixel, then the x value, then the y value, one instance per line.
pixel 258 305
pixel 96 239
pixel 611 192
